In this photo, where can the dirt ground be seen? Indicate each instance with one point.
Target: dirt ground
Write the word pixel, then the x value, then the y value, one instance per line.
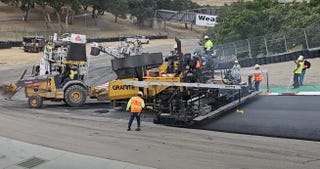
pixel 16 56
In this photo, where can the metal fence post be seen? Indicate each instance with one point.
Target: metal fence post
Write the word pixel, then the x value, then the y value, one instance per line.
pixel 222 50
pixel 306 38
pixel 249 48
pixel 285 42
pixel 266 45
pixel 235 49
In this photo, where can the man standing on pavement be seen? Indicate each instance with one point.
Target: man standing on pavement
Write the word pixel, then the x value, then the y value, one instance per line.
pixel 136 104
pixel 306 65
pixel 257 76
pixel 297 72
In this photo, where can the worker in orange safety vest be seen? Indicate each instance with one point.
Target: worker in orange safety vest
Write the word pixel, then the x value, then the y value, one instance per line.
pixel 257 76
pixel 135 104
pixel 198 64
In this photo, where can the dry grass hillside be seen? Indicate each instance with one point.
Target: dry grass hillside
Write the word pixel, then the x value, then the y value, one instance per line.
pixel 215 2
pixel 222 2
pixel 103 26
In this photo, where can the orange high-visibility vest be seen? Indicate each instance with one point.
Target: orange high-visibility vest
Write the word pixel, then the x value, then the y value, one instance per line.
pixel 258 77
pixel 198 64
pixel 136 104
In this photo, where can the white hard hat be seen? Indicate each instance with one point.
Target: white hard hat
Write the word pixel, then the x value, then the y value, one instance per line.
pixel 73 67
pixel 236 61
pixel 175 46
pixel 300 57
pixel 256 66
pixel 206 37
pixel 140 93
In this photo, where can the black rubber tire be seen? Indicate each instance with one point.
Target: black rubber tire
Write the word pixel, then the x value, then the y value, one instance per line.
pixel 35 101
pixel 75 95
pixel 64 100
pixel 5 45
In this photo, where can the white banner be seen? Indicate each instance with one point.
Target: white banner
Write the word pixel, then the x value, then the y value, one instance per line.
pixel 77 38
pixel 206 20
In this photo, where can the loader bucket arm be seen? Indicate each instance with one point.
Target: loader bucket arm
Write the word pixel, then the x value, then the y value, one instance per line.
pixel 9 90
pixel 22 75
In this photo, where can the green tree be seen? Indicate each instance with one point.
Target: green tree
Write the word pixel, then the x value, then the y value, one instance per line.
pixel 85 4
pixel 23 5
pixel 181 5
pixel 242 20
pixel 141 9
pixel 57 6
pixel 163 4
pixel 98 7
pixel 178 5
pixel 118 8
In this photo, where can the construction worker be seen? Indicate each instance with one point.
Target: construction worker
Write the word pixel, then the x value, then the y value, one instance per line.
pixel 137 46
pixel 208 45
pixel 236 66
pixel 235 71
pixel 297 72
pixel 136 104
pixel 48 50
pixel 306 65
pixel 198 63
pixel 174 50
pixel 73 73
pixel 196 67
pixel 49 47
pixel 257 77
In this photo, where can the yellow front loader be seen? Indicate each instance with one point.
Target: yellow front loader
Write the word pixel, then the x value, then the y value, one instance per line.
pixel 47 87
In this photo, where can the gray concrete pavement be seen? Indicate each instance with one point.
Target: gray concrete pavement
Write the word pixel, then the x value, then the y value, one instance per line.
pixel 20 155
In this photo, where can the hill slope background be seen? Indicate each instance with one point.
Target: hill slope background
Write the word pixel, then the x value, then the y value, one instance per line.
pixel 13 28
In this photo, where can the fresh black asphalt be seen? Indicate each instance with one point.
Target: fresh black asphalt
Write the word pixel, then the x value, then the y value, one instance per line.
pixel 296 117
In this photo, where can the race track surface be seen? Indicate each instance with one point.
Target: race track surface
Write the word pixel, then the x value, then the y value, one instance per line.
pixel 294 117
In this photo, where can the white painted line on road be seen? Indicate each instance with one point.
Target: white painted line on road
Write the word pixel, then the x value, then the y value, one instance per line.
pixel 309 93
pixel 291 94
